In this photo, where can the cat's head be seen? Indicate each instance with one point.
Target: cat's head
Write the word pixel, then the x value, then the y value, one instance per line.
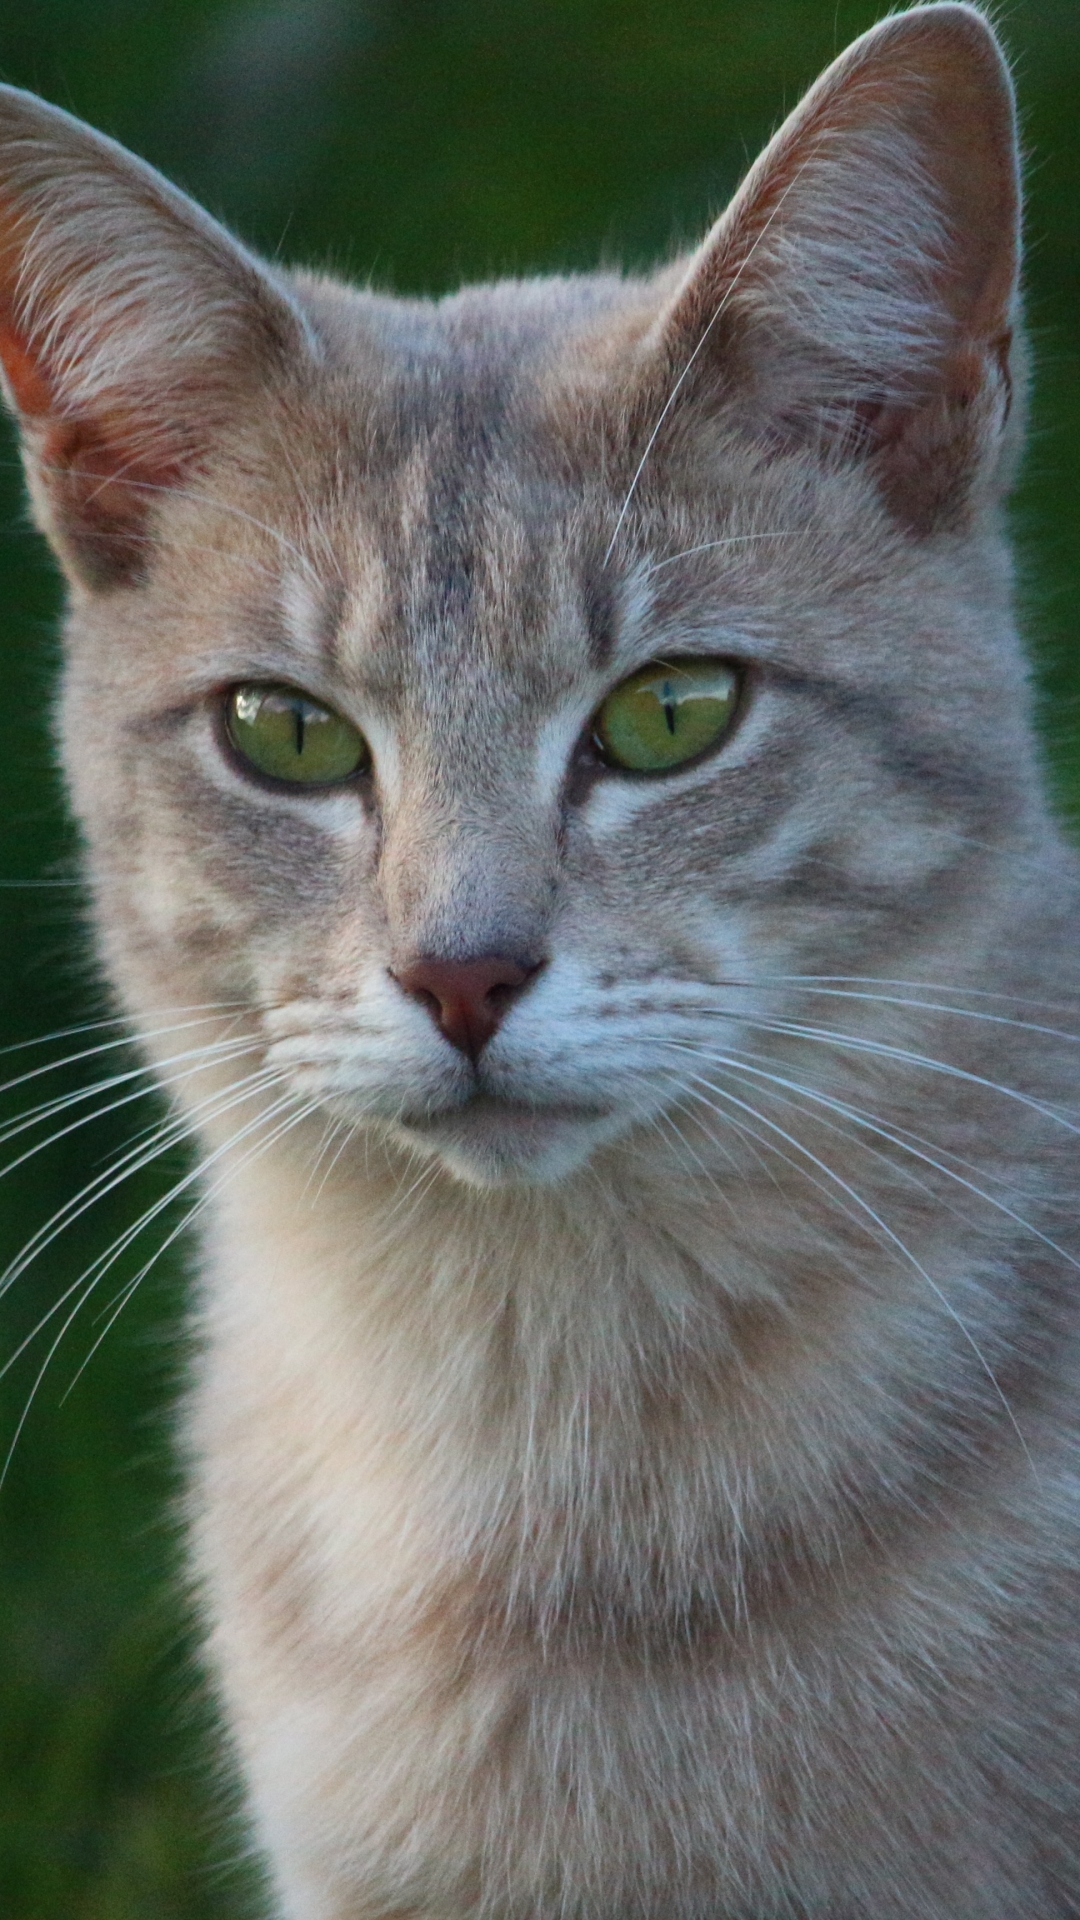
pixel 497 699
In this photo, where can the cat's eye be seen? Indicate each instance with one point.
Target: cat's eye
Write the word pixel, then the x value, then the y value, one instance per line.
pixel 288 736
pixel 667 714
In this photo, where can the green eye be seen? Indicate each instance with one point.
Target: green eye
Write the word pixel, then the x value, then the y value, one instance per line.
pixel 666 714
pixel 286 735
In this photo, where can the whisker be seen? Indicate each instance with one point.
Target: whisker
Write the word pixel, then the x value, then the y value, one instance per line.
pixel 427 1175
pixel 870 1124
pixel 172 1130
pixel 933 1006
pixel 199 497
pixel 697 1002
pixel 97 1026
pixel 52 1109
pixel 839 981
pixel 128 1234
pixel 350 1131
pixel 148 542
pixel 103 1261
pixel 707 546
pixel 117 1305
pixel 329 1134
pixel 902 1135
pixel 884 1050
pixel 100 1267
pixel 760 1158
pixel 663 1116
pixel 771 1151
pixel 56 1102
pixel 770 1147
pixel 894 1239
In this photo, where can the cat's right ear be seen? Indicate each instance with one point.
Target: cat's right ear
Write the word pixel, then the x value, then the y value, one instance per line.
pixel 131 325
pixel 859 296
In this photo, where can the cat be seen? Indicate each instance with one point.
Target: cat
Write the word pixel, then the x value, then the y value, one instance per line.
pixel 564 823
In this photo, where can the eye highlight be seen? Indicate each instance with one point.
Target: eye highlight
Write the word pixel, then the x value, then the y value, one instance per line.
pixel 667 714
pixel 286 735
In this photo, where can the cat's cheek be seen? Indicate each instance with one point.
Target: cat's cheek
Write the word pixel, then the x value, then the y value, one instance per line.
pixel 287 858
pixel 168 927
pixel 244 902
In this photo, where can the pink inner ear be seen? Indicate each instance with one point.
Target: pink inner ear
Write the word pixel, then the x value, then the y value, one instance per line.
pixel 113 458
pixel 106 441
pixel 100 467
pixel 131 327
pixel 31 390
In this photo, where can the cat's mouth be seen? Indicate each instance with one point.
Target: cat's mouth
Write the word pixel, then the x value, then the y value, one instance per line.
pixel 488 1140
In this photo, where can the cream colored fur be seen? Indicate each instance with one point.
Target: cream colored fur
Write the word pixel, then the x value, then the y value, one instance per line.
pixel 633 1478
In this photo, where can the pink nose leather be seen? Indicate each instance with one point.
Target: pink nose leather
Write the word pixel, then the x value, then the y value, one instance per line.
pixel 465 998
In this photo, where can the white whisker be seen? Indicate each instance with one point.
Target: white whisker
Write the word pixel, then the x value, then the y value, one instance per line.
pixel 203 1060
pixel 349 1133
pixel 56 1102
pixel 935 1006
pixel 708 546
pixel 170 1133
pixel 97 1026
pixel 885 1050
pixel 899 1138
pixel 838 982
pixel 117 1305
pixel 216 504
pixel 893 1238
pixel 92 1275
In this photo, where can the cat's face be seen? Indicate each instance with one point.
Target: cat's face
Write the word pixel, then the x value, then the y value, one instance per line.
pixel 433 570
pixel 460 530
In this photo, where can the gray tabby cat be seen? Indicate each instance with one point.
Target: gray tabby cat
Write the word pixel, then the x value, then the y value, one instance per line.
pixel 563 819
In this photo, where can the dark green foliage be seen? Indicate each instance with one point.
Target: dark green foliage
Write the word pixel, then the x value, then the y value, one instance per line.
pixel 418 142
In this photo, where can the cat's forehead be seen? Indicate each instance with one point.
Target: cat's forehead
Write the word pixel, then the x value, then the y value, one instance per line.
pixel 427 602
pixel 470 512
pixel 482 338
pixel 470 515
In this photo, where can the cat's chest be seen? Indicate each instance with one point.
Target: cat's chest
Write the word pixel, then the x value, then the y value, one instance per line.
pixel 415 1689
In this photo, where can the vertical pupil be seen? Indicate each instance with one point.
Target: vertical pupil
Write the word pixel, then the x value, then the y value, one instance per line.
pixel 298 728
pixel 667 701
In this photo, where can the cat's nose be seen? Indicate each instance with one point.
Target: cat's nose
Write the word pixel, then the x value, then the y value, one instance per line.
pixel 465 998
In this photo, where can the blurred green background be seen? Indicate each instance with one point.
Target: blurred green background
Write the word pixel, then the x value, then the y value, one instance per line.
pixel 416 142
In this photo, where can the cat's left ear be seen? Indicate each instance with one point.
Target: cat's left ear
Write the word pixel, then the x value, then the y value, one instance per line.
pixel 132 328
pixel 860 293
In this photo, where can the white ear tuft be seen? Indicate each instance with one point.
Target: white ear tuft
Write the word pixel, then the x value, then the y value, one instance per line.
pixel 129 323
pixel 860 292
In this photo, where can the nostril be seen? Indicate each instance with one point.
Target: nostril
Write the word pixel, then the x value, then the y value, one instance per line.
pixel 467 999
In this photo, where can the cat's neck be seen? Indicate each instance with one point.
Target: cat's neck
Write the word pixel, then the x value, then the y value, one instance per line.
pixel 647 1349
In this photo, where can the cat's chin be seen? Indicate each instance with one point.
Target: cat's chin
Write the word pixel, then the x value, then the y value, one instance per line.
pixel 489 1142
